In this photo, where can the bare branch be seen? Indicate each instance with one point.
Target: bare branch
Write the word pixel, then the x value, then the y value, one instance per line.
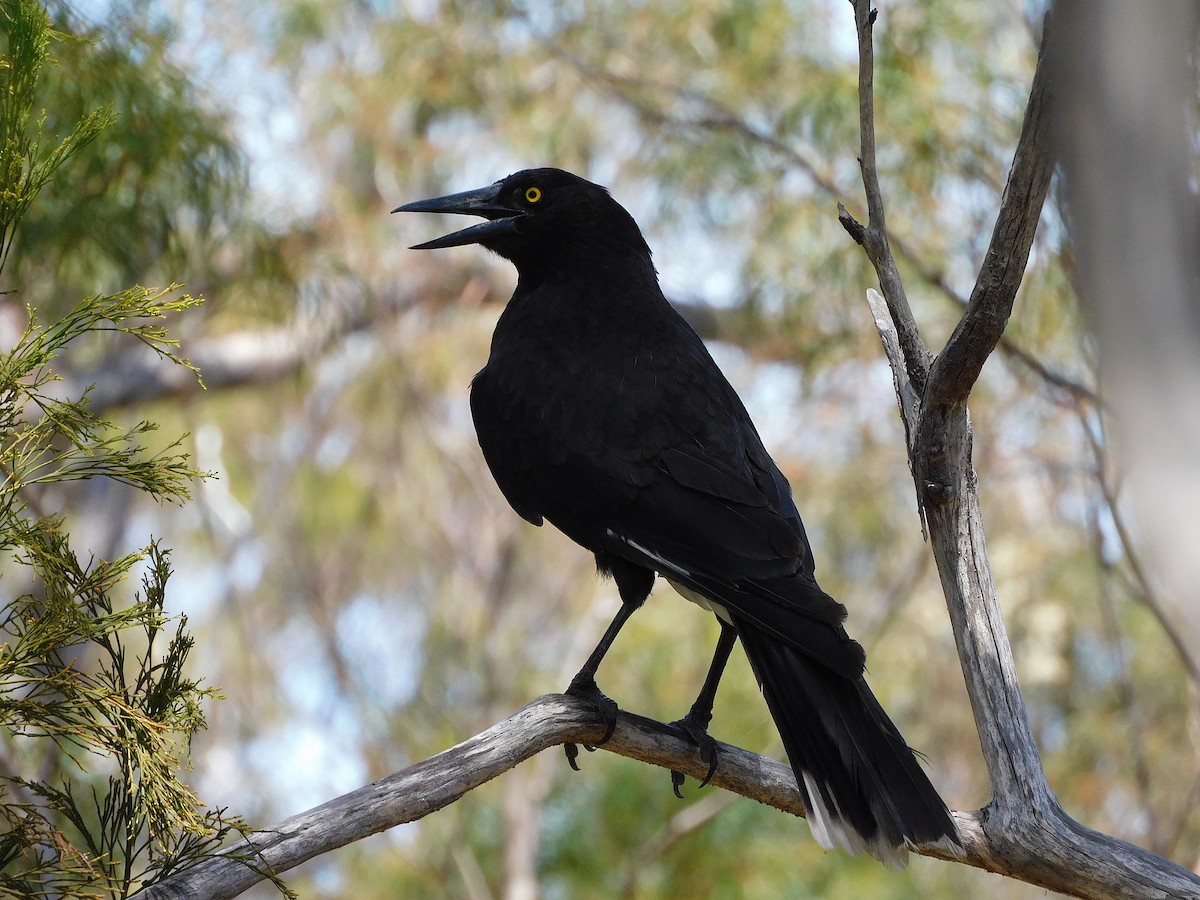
pixel 554 719
pixel 906 395
pixel 873 236
pixel 137 375
pixel 440 780
pixel 975 337
pixel 130 376
pixel 940 453
pixel 957 367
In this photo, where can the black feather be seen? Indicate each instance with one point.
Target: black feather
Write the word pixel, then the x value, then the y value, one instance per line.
pixel 601 411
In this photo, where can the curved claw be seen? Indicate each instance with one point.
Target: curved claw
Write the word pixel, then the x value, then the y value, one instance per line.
pixel 572 751
pixel 677 779
pixel 712 763
pixel 706 746
pixel 606 710
pixel 612 726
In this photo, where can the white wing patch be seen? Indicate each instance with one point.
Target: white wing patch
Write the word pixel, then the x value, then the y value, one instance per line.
pixel 645 551
pixel 700 600
pixel 677 570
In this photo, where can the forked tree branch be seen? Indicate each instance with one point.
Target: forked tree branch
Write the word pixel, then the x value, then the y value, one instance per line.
pixel 1023 823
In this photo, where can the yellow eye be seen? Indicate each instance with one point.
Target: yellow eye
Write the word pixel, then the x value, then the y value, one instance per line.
pixel 533 194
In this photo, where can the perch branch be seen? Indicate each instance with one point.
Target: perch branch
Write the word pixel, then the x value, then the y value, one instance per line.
pixel 553 719
pixel 430 785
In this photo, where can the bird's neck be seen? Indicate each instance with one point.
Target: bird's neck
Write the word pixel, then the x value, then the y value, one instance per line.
pixel 596 271
pixel 582 304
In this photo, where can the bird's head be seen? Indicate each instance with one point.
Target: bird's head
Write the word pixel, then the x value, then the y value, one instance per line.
pixel 536 215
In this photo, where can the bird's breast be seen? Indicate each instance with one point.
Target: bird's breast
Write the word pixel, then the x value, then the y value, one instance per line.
pixel 553 392
pixel 561 366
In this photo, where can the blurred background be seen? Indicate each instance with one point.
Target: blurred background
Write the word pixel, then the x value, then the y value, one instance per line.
pixel 361 593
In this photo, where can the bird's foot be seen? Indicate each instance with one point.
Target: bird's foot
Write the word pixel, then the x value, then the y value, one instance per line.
pixel 695 728
pixel 584 688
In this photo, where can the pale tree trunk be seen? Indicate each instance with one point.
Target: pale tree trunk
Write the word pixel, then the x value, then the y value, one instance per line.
pixel 1128 130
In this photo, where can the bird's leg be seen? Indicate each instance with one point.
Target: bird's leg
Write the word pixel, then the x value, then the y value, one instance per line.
pixel 583 685
pixel 695 723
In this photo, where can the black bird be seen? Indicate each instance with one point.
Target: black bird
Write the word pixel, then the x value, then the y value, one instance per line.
pixel 601 411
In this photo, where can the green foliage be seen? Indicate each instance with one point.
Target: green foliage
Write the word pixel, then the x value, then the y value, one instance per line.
pixel 93 691
pixel 67 674
pixel 47 440
pixel 165 191
pixel 25 165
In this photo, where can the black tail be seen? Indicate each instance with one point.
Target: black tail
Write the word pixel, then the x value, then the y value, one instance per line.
pixel 861 784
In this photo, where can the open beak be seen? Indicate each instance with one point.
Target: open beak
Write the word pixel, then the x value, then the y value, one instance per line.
pixel 486 202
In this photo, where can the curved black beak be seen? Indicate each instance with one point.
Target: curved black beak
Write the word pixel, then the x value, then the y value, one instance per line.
pixel 484 202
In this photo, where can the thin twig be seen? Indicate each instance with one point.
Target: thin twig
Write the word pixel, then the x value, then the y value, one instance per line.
pixel 689 819
pixel 873 236
pixel 1126 692
pixel 1142 587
